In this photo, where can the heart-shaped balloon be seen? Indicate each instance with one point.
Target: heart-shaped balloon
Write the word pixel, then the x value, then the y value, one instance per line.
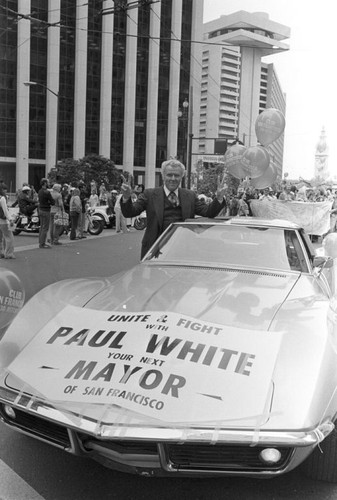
pixel 255 161
pixel 269 125
pixel 233 158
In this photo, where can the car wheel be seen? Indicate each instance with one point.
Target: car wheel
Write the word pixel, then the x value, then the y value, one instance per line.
pixel 95 227
pixel 321 465
pixel 16 232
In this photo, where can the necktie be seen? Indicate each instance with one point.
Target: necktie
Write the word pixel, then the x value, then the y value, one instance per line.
pixel 173 199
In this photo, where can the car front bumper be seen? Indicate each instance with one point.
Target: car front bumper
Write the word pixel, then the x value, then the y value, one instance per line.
pixel 160 450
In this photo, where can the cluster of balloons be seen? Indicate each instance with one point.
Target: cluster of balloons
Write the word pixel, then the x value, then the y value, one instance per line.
pixel 254 162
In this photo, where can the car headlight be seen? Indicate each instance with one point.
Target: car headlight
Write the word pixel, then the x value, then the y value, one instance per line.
pixel 270 455
pixel 9 411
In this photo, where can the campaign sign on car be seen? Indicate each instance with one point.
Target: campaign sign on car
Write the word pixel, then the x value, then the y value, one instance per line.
pixel 163 365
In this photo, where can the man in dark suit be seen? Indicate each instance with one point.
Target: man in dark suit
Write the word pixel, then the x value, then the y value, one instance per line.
pixel 168 203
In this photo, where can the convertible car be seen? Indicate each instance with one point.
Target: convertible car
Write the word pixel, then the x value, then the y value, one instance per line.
pixel 215 355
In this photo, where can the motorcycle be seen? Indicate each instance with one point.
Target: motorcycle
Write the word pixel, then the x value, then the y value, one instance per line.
pixel 140 221
pixel 26 224
pixel 103 212
pixel 95 223
pixel 29 224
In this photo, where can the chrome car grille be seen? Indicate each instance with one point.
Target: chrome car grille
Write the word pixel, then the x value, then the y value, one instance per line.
pixel 121 447
pixel 38 427
pixel 221 457
pixel 177 457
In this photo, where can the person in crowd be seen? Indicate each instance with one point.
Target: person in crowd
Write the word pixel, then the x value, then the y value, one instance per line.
pixel 111 200
pixel 293 193
pixel 251 194
pixel 267 194
pixel 93 185
pixel 120 220
pixel 168 203
pixel 243 210
pixel 6 224
pixel 333 215
pixel 65 193
pixel 139 188
pixel 33 194
pixel 102 194
pixel 26 203
pixel 75 210
pixel 46 201
pixel 310 194
pixel 302 194
pixel 55 210
pixel 232 205
pixel 93 199
pixel 17 195
pixel 82 219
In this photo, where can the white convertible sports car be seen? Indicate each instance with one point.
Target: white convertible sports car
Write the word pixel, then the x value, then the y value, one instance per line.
pixel 216 355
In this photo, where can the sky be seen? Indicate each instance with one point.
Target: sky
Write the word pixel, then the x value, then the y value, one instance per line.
pixel 307 74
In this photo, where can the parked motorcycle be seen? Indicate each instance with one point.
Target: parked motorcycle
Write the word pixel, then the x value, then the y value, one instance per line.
pixel 29 224
pixel 26 224
pixel 140 221
pixel 103 212
pixel 95 223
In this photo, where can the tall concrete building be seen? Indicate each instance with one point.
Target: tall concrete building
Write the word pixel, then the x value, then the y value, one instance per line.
pixel 103 77
pixel 236 84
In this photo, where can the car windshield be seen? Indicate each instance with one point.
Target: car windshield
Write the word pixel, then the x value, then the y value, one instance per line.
pixel 230 245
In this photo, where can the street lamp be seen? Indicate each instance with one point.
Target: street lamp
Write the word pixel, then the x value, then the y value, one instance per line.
pixel 57 95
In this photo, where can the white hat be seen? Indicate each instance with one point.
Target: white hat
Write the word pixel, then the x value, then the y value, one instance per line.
pixel 25 188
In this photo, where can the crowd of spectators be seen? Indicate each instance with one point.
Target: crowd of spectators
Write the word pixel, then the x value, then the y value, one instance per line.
pixel 238 202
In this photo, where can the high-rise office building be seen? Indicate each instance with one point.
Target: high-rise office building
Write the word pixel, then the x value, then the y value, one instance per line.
pixel 236 84
pixel 103 77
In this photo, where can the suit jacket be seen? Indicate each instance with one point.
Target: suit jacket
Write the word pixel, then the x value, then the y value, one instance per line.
pixel 152 201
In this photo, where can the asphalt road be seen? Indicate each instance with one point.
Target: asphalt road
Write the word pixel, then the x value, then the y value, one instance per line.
pixel 31 470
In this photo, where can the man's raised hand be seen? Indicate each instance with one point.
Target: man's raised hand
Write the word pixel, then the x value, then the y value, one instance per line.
pixel 125 189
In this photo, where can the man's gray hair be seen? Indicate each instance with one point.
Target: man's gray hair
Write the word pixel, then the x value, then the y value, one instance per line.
pixel 172 162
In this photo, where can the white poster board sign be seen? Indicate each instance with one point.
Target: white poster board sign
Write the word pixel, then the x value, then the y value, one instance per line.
pixel 163 365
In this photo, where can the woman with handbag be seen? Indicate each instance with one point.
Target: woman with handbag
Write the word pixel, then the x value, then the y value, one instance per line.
pixel 56 212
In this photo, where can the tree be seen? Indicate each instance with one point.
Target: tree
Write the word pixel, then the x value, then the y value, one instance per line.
pixel 91 167
pixel 208 176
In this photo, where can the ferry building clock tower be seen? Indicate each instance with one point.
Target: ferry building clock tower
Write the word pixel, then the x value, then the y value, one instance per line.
pixel 321 157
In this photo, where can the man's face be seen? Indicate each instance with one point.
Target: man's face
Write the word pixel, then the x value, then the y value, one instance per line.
pixel 172 177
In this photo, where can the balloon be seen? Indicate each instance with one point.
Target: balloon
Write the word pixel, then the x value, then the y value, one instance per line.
pixel 269 125
pixel 233 157
pixel 12 296
pixel 255 161
pixel 265 180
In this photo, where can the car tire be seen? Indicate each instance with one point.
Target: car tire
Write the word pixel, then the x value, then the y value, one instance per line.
pixel 321 465
pixel 16 232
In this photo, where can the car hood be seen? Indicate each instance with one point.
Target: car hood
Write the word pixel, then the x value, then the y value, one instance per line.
pixel 235 301
pixel 241 298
